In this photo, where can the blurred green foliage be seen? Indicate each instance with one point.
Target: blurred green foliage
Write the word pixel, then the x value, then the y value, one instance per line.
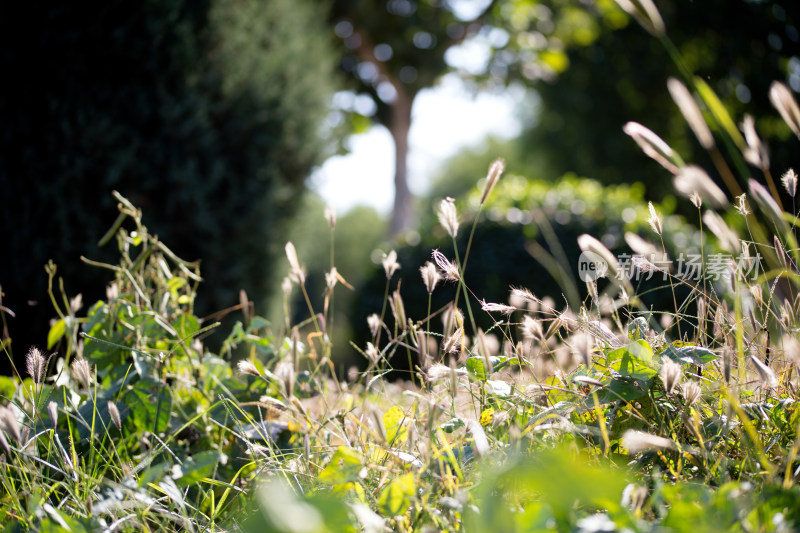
pixel 206 114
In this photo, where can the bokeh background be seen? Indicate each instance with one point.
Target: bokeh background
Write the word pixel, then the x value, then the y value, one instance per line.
pixel 232 124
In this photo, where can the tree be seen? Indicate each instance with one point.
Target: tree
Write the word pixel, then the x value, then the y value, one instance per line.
pixel 392 51
pixel 207 115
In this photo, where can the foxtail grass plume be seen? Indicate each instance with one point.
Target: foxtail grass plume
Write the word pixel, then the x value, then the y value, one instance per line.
pixel 492 177
pixel 9 424
pixel 390 264
pixel 372 353
pixel 331 278
pixel 374 323
pixel 430 276
pixel 532 329
pixel 767 204
pixel 646 14
pixel 639 441
pixel 756 152
pixel 398 309
pixel 691 392
pixel 653 146
pixel 82 372
pixel 297 273
pixel 727 237
pixel 453 343
pixel 693 180
pixel 330 216
pixel 36 364
pixel 4 443
pixel 113 413
pixel 480 444
pixel 741 205
pixel 246 367
pixel 450 269
pixel 52 410
pixel 781 97
pixel 691 113
pixel 448 216
pixel 765 373
pixel 696 199
pixel 789 180
pixel 654 220
pixel 642 247
pixel 586 380
pixel 497 308
pixel 670 374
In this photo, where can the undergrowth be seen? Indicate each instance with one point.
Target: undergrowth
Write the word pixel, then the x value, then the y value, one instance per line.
pixel 599 417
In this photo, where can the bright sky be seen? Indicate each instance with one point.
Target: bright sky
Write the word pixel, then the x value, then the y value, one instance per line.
pixel 444 120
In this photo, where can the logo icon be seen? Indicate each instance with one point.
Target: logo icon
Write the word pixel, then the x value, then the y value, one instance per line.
pixel 591 266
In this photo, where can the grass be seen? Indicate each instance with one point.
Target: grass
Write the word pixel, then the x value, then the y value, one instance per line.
pixel 602 417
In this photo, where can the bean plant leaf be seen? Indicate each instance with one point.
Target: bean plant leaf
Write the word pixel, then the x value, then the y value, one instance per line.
pixel 397 495
pixel 343 467
pixel 55 333
pixel 689 353
pixel 394 420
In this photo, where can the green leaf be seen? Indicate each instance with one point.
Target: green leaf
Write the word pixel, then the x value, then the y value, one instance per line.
pixel 195 468
pixel 634 360
pixel 55 333
pixel 7 386
pixel 689 353
pixel 343 467
pixel 150 404
pixel 394 421
pixel 397 495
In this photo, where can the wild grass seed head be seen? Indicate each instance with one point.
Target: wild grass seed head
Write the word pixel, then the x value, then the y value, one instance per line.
pixel 82 372
pixel 646 14
pixel 448 216
pixel 741 205
pixel 330 216
pixel 497 308
pixel 492 177
pixel 9 423
pixel 655 220
pixel 653 146
pixel 52 410
pixel 765 373
pixel 639 441
pixel 390 264
pixel 789 180
pixel 691 113
pixel 449 268
pixel 296 272
pixel 694 180
pixel 756 152
pixel 113 413
pixel 374 323
pixel 430 276
pixel 781 97
pixel 691 392
pixel 670 374
pixel 36 364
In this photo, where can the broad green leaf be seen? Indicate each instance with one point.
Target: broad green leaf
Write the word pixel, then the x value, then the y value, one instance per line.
pixel 634 360
pixel 498 388
pixel 343 467
pixel 394 420
pixel 195 468
pixel 150 404
pixel 7 387
pixel 55 333
pixel 689 353
pixel 397 495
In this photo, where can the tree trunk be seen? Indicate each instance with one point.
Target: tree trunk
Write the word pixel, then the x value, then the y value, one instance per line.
pixel 402 213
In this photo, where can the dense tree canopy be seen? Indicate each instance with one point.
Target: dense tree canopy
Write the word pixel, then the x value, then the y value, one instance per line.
pixel 205 114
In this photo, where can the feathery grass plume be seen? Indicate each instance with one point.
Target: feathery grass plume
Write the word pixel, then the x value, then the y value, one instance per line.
pixel 4 443
pixel 532 329
pixel 653 146
pixel 449 269
pixel 497 308
pixel 9 424
pixel 696 199
pixel 654 220
pixel 246 367
pixel 765 373
pixel 701 315
pixel 639 441
pixel 448 216
pixel 374 323
pixel 82 372
pixel 781 97
pixel 586 380
pixel 646 14
pixel 495 171
pixel 780 251
pixel 398 309
pixel 693 180
pixel 113 412
pixel 330 216
pixel 691 392
pixel 634 497
pixel 453 343
pixel 297 273
pixel 519 296
pixel 789 180
pixel 331 278
pixel 587 243
pixel 716 225
pixel 642 247
pixel 670 374
pixel 372 353
pixel 480 444
pixel 691 113
pixel 756 153
pixel 75 304
pixel 437 372
pixel 582 347
pixel 286 287
pixel 741 204
pixel 767 203
pixel 36 364
pixel 422 343
pixel 52 410
pixel 390 264
pixel 430 276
